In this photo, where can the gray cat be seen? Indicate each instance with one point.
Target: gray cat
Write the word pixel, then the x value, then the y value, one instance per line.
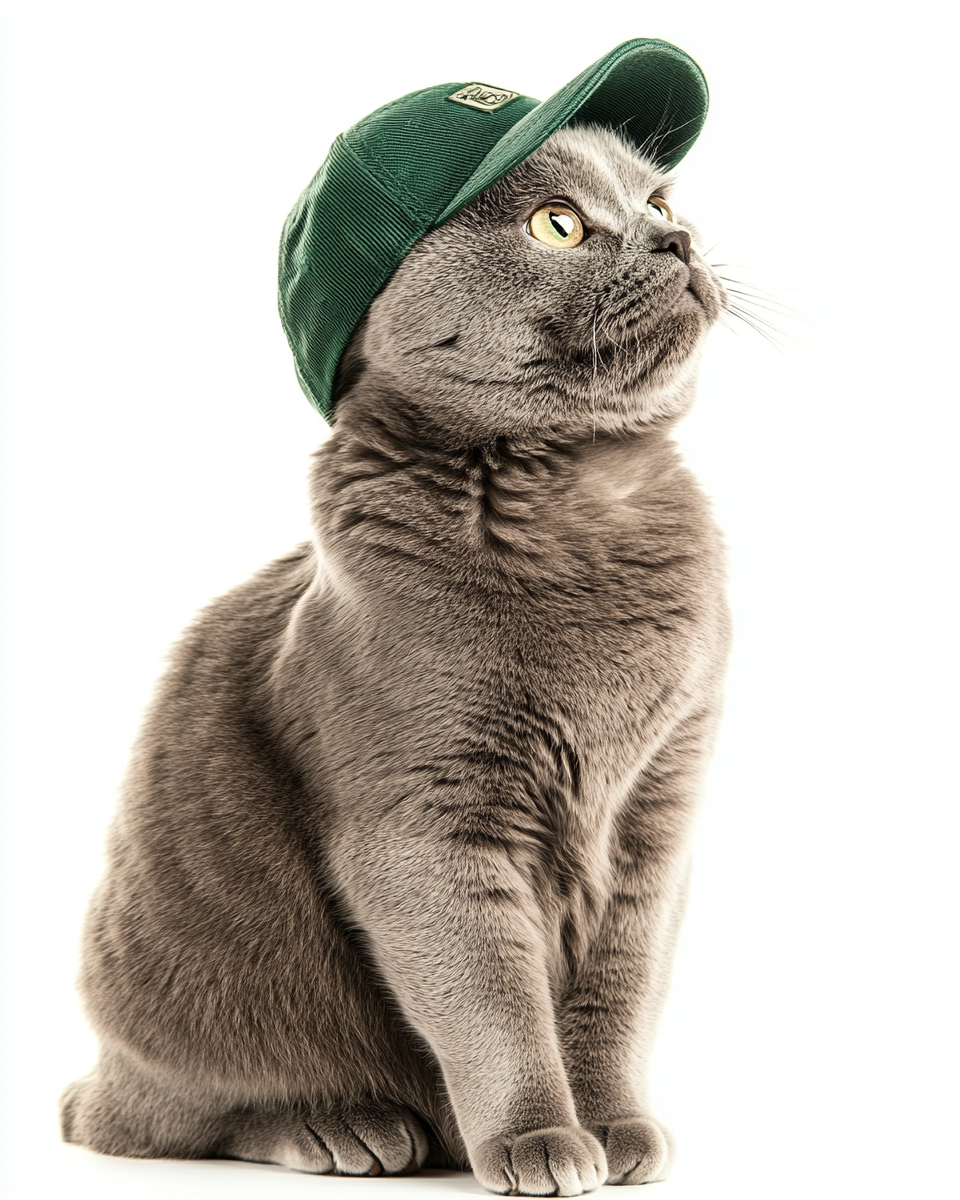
pixel 403 848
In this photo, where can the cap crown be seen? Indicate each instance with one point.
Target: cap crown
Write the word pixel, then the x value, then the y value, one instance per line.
pixel 423 146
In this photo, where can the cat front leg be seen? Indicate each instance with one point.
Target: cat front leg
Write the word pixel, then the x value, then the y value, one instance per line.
pixel 610 1008
pixel 453 927
pixel 607 1019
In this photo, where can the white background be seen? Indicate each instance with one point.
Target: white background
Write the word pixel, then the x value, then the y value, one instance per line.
pixel 155 450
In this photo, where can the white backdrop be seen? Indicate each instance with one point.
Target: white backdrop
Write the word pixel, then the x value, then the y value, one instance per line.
pixel 155 449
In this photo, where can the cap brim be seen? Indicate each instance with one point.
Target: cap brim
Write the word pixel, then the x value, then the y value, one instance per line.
pixel 646 89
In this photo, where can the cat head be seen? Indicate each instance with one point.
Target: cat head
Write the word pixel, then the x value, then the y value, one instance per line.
pixel 565 297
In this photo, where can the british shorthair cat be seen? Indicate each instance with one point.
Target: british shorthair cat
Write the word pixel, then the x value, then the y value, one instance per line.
pixel 403 848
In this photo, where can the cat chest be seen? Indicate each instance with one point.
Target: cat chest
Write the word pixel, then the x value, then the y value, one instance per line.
pixel 599 658
pixel 610 637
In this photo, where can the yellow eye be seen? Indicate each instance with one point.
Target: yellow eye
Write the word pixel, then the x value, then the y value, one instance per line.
pixel 556 225
pixel 658 207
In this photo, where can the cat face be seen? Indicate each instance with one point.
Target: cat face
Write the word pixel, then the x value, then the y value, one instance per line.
pixel 561 297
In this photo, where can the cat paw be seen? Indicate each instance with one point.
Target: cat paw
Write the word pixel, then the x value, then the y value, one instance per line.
pixel 565 1161
pixel 353 1139
pixel 638 1149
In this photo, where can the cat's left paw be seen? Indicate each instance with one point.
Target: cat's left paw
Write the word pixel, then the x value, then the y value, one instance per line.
pixel 639 1150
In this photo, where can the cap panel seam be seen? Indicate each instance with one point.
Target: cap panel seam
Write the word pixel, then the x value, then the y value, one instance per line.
pixel 385 178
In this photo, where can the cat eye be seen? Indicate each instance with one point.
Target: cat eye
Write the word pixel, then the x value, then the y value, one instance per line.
pixel 556 225
pixel 658 207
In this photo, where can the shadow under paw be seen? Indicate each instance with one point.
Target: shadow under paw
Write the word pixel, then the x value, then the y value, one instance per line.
pixel 639 1150
pixel 564 1161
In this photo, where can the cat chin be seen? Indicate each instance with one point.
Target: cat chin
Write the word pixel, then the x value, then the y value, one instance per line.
pixel 664 395
pixel 667 361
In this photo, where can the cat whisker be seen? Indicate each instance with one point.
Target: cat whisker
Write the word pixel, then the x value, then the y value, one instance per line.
pixel 772 306
pixel 763 311
pixel 606 331
pixel 759 322
pixel 650 147
pixel 770 333
pixel 767 312
pixel 754 308
pixel 712 248
pixel 752 290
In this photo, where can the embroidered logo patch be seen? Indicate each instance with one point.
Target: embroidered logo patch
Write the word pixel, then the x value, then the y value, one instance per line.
pixel 481 95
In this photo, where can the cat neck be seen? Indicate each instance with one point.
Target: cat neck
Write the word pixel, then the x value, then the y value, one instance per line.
pixel 379 424
pixel 524 499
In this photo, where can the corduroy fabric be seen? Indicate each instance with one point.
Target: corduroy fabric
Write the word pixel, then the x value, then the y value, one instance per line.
pixel 648 90
pixel 332 264
pixel 415 162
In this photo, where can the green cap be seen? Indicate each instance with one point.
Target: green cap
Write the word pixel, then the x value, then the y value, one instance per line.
pixel 412 164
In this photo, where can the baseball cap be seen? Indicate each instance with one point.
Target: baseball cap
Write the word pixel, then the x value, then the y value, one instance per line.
pixel 414 163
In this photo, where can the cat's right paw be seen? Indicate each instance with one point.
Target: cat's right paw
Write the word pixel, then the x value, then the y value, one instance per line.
pixel 564 1161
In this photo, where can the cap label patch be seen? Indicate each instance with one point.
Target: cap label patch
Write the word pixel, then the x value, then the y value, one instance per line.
pixel 481 95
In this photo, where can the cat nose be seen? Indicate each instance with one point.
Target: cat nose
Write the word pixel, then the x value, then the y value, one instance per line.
pixel 677 241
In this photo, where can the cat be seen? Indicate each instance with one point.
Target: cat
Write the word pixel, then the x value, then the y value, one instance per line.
pixel 403 848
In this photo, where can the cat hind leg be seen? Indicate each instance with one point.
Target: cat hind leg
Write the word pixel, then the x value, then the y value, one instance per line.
pixel 120 1113
pixel 373 1137
pixel 125 1110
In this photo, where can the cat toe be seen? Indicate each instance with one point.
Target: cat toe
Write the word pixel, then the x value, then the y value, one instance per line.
pixel 639 1150
pixel 565 1161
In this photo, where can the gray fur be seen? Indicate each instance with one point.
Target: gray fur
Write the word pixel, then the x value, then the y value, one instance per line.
pixel 403 847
